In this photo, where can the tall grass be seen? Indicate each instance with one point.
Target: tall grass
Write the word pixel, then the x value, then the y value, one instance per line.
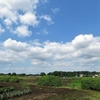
pixel 76 84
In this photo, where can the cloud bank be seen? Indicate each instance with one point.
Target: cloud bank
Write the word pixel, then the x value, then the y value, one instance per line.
pixel 82 53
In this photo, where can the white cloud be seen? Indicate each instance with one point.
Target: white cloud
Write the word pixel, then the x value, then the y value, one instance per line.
pixel 29 18
pixel 14 45
pixel 47 18
pixel 44 1
pixel 8 14
pixel 52 56
pixel 55 10
pixel 8 22
pixel 16 12
pixel 82 41
pixel 22 31
pixel 45 31
pixel 36 43
pixel 9 57
pixel 24 5
pixel 1 29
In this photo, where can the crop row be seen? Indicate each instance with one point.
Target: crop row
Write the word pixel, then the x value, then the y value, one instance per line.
pixel 6 89
pixel 12 94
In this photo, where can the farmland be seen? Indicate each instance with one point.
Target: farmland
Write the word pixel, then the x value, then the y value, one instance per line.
pixel 70 90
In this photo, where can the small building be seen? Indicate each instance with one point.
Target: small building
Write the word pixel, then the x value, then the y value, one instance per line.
pixel 81 75
pixel 96 75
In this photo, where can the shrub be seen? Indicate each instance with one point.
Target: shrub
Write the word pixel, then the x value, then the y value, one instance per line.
pixel 4 79
pixel 91 83
pixel 49 81
pixel 14 79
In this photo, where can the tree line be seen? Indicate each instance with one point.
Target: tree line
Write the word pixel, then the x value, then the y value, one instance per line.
pixel 73 74
pixel 57 73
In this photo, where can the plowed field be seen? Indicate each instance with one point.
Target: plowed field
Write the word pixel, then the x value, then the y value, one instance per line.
pixel 47 93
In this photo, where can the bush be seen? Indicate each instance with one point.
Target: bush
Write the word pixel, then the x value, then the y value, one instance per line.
pixel 14 79
pixel 49 81
pixel 91 83
pixel 4 79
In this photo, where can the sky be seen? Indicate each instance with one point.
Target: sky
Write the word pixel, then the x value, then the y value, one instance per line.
pixel 49 35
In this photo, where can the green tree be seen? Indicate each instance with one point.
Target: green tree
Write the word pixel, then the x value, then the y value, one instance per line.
pixel 13 74
pixel 42 74
pixel 9 73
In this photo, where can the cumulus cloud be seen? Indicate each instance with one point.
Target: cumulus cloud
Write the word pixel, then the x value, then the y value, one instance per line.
pixel 8 57
pixel 82 53
pixel 22 31
pixel 15 45
pixel 8 22
pixel 82 41
pixel 21 14
pixel 8 14
pixel 17 5
pixel 15 14
pixel 29 18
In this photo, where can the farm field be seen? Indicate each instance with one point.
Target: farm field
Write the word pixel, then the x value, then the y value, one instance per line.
pixel 69 91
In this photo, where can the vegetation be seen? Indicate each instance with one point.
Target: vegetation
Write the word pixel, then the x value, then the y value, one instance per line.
pixel 56 73
pixel 10 94
pixel 77 95
pixel 65 86
pixel 0 85
pixel 25 85
pixel 13 79
pixel 49 81
pixel 73 74
pixel 91 83
pixel 76 84
pixel 6 89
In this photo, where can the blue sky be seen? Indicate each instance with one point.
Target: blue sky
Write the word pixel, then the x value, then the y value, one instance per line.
pixel 47 35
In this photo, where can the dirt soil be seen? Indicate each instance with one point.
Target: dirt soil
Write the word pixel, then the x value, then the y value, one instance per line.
pixel 38 92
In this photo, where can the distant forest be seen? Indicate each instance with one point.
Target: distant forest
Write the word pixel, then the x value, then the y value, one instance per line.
pixel 58 73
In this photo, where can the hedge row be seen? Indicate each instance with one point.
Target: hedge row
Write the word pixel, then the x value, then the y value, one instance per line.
pixel 13 79
pixel 91 83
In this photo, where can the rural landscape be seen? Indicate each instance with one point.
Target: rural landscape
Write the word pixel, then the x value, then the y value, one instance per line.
pixel 57 85
pixel 49 49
